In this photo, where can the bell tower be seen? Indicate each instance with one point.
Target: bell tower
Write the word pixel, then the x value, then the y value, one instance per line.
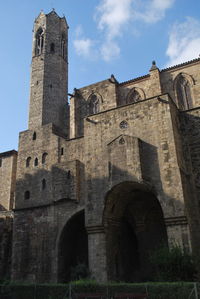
pixel 49 72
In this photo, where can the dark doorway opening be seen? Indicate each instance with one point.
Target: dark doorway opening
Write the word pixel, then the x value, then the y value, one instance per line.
pixel 135 227
pixel 73 247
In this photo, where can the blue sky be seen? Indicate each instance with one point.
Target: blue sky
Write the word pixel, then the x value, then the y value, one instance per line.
pixel 119 37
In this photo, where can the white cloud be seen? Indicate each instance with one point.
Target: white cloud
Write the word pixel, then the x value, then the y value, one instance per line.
pixel 154 10
pixel 115 16
pixel 184 41
pixel 83 47
pixel 110 50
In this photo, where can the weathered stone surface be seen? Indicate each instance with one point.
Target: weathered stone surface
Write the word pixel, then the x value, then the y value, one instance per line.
pixel 122 164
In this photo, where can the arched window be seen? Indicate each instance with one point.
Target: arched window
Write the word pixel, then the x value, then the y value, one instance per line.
pixel 27 195
pixel 34 136
pixel 39 42
pixel 94 104
pixel 52 48
pixel 28 161
pixel 44 157
pixel 36 162
pixel 183 91
pixel 133 97
pixel 63 46
pixel 43 184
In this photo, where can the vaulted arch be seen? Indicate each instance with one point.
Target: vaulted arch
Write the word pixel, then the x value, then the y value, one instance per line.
pixel 72 247
pixel 134 225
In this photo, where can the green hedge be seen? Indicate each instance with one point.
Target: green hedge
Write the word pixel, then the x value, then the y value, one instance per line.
pixel 176 290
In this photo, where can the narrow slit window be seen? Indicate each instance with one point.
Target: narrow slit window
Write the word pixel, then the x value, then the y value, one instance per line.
pixel 44 158
pixel 34 136
pixel 28 161
pixel 52 48
pixel 62 151
pixel 43 184
pixel 27 195
pixel 0 162
pixel 36 162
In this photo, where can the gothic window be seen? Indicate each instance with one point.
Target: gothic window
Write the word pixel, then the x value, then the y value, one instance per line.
pixel 52 48
pixel 43 184
pixel 28 160
pixel 133 97
pixel 183 90
pixel 26 195
pixel 36 162
pixel 34 136
pixel 63 46
pixel 94 104
pixel 39 43
pixel 44 157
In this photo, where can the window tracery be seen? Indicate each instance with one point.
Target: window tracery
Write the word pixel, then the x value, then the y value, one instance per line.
pixel 94 104
pixel 39 42
pixel 135 95
pixel 183 91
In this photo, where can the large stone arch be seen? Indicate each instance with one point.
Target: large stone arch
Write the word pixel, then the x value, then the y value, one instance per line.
pixel 72 246
pixel 134 227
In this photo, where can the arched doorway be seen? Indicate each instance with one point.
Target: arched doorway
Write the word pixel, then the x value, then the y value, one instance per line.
pixel 134 226
pixel 73 247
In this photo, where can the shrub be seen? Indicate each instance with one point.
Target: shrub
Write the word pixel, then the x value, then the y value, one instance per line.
pixel 172 264
pixel 80 271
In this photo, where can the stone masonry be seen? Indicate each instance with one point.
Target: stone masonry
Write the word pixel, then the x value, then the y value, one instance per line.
pixel 102 181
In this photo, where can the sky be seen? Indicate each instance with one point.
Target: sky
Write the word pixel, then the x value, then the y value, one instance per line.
pixel 120 37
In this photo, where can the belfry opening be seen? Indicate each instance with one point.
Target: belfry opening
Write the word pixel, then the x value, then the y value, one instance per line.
pixel 135 227
pixel 73 247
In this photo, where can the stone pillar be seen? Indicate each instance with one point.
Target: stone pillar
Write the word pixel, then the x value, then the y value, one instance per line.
pixel 155 80
pixel 178 232
pixel 72 118
pixel 97 252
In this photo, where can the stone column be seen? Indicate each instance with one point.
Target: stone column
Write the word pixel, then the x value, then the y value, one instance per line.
pixel 97 252
pixel 155 80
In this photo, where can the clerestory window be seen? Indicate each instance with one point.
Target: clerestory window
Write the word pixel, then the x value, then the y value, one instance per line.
pixel 133 97
pixel 93 104
pixel 183 90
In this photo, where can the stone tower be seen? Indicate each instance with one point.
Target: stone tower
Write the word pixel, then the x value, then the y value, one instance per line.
pixel 49 73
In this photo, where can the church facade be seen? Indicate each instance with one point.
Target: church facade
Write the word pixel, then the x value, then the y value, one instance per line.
pixel 102 181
